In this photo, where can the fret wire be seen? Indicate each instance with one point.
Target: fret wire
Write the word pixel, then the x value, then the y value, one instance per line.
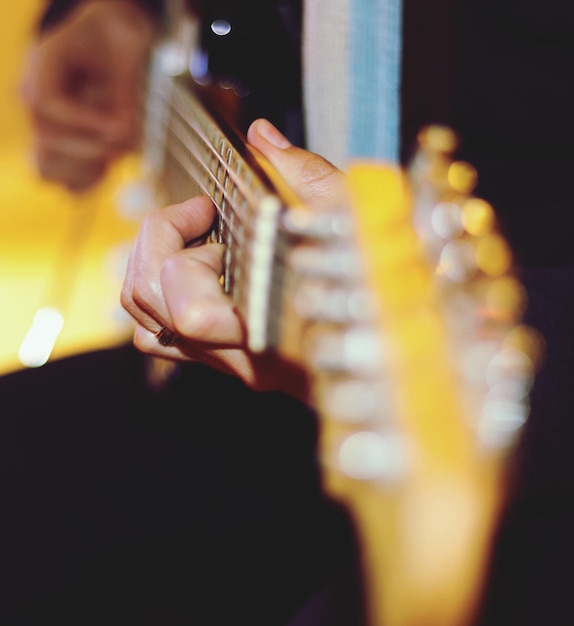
pixel 236 268
pixel 179 101
pixel 234 261
pixel 230 251
pixel 190 164
pixel 224 226
pixel 242 264
pixel 234 288
pixel 238 181
pixel 184 137
pixel 225 201
pixel 193 123
pixel 181 133
pixel 219 189
pixel 198 148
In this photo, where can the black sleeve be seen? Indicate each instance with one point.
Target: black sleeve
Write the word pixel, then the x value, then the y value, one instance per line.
pixel 58 9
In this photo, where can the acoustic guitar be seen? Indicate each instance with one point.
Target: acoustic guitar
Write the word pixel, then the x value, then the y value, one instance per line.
pixel 401 304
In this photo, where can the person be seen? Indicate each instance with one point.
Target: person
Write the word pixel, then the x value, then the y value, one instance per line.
pixel 496 73
pixel 132 505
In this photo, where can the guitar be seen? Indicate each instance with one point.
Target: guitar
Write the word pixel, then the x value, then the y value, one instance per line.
pixel 401 304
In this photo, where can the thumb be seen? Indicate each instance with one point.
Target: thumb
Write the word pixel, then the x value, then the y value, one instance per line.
pixel 311 176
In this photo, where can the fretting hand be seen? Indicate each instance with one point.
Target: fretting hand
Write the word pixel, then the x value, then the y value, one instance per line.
pixel 170 285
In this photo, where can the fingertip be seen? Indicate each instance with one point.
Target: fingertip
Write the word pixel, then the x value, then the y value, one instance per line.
pixel 263 129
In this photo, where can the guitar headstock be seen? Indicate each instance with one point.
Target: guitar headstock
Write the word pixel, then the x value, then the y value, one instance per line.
pixel 421 369
pixel 402 305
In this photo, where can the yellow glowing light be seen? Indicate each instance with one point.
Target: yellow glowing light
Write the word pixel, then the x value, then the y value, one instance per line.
pixel 493 255
pixel 462 176
pixel 478 217
pixel 438 138
pixel 506 294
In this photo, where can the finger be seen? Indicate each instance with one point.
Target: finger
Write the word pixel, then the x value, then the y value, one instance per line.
pixel 163 232
pixel 51 105
pixel 115 132
pixel 55 109
pixel 73 146
pixel 141 294
pixel 310 175
pixel 74 158
pixel 197 304
pixel 262 372
pixel 76 173
pixel 228 360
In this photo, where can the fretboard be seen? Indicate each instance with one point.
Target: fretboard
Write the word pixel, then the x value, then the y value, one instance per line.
pixel 193 152
pixel 400 303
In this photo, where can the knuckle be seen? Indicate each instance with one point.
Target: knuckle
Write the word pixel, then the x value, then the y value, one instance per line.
pixel 126 299
pixel 193 323
pixel 142 342
pixel 141 295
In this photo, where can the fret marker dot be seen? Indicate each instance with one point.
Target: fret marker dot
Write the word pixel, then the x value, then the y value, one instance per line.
pixel 221 27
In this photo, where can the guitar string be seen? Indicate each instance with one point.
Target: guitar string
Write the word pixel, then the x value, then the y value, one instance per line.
pixel 234 234
pixel 193 118
pixel 234 187
pixel 234 237
pixel 194 164
pixel 186 143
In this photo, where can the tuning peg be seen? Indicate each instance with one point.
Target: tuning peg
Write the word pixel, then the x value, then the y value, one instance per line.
pixel 320 225
pixel 353 350
pixel 341 262
pixel 323 301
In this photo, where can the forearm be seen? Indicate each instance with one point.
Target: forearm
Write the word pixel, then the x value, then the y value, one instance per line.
pixel 58 9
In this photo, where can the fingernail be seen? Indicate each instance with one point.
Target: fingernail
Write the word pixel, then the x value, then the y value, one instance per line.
pixel 272 135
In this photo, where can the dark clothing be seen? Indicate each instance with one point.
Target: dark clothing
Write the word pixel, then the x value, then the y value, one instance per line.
pixel 128 507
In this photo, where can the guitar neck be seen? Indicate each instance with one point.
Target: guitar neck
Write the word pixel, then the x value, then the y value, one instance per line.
pixel 400 304
pixel 191 150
